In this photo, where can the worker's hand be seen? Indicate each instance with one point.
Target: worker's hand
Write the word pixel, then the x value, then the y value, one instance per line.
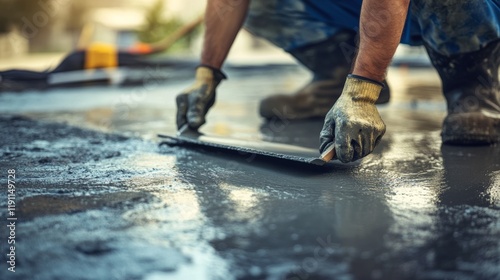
pixel 353 127
pixel 194 103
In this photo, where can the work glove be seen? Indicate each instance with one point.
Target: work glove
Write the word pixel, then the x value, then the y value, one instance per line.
pixel 353 126
pixel 194 103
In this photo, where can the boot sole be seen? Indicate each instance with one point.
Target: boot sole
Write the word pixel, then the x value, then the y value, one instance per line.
pixel 470 129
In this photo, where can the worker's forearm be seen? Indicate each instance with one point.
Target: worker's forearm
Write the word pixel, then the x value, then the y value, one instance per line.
pixel 223 20
pixel 381 25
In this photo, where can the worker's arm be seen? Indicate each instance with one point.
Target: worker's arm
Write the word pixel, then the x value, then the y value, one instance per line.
pixel 223 20
pixel 353 127
pixel 381 25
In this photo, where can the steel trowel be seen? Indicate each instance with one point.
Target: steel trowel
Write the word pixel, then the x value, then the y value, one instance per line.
pixel 188 137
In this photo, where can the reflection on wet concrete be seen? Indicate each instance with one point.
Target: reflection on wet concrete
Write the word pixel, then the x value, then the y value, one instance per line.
pixel 477 186
pixel 44 205
pixel 414 209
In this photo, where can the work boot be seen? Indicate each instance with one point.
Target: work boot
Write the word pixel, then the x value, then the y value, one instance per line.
pixel 472 90
pixel 330 62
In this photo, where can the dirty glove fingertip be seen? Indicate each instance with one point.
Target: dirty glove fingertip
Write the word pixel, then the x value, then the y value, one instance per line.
pixel 182 107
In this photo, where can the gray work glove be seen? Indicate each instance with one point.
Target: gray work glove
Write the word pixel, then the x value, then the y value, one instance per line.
pixel 353 127
pixel 194 103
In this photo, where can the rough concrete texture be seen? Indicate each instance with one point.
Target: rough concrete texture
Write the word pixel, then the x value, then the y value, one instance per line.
pixel 98 199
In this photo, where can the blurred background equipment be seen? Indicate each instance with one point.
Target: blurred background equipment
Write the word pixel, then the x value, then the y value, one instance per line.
pixel 58 25
pixel 111 38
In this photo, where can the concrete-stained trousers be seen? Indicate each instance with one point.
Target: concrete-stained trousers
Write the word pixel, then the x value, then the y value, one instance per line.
pixel 448 27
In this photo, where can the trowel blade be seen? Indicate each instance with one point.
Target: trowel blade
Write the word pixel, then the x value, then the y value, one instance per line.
pixel 257 147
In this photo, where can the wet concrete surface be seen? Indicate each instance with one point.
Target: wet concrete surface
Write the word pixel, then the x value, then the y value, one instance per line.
pixel 97 198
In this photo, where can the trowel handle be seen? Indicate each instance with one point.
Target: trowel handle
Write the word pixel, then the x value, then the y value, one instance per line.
pixel 328 154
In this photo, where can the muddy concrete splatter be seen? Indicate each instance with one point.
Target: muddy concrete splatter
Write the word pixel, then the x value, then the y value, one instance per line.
pixel 101 200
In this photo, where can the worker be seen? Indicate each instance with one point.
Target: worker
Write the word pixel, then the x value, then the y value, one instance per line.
pixel 462 38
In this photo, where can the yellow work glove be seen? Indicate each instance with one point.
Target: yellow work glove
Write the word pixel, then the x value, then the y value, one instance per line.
pixel 194 103
pixel 353 127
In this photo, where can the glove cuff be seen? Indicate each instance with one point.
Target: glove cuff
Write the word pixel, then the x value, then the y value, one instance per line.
pixel 366 79
pixel 360 88
pixel 206 72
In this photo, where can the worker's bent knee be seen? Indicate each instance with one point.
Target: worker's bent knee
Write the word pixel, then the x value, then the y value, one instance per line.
pixel 451 27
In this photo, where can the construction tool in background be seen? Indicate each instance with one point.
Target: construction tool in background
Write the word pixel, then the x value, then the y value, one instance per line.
pixel 103 56
pixel 100 63
pixel 88 31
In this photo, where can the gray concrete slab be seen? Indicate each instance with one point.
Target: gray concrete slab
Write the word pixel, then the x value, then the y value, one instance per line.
pixel 96 198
